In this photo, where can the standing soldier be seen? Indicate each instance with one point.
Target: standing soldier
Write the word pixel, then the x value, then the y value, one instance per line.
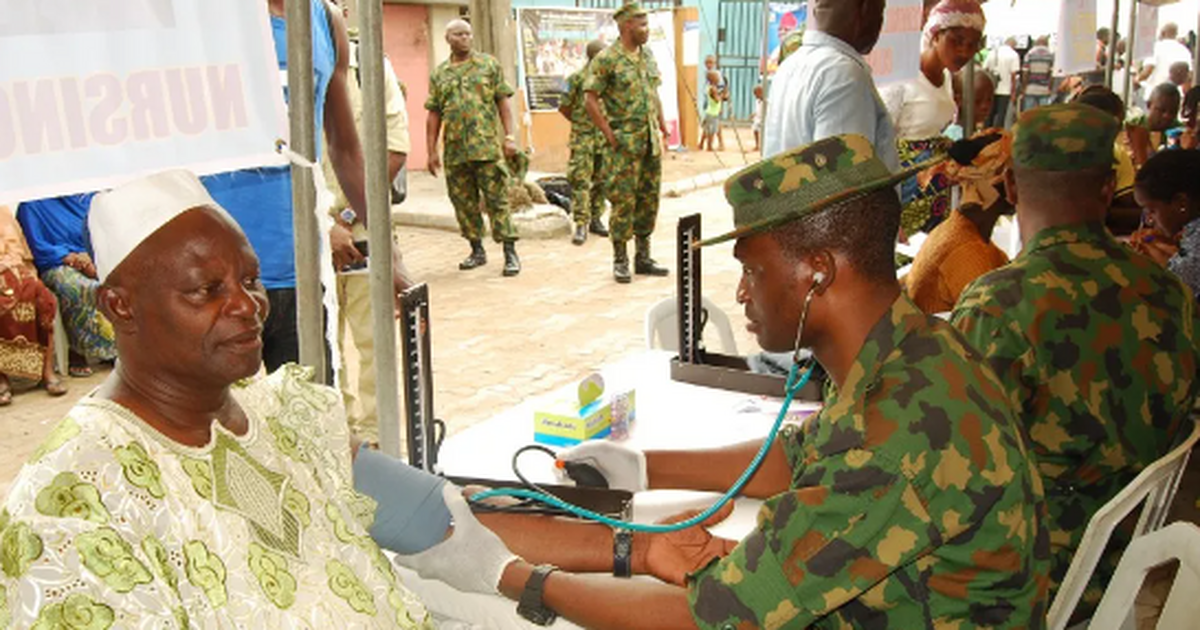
pixel 625 79
pixel 587 151
pixel 469 92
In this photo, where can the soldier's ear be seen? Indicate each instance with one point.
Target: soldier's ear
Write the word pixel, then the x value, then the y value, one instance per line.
pixel 1010 187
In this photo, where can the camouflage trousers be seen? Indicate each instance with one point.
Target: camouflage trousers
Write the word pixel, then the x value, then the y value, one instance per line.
pixel 632 185
pixel 585 174
pixel 466 183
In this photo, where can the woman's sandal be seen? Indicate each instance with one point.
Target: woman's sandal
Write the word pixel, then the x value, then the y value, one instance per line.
pixel 54 387
pixel 5 393
pixel 79 371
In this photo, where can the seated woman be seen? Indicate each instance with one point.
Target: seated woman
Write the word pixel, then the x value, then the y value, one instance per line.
pixel 1168 190
pixel 960 249
pixel 922 108
pixel 26 316
pixel 55 229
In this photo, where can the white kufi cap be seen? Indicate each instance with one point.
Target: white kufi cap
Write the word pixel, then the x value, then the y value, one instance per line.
pixel 124 217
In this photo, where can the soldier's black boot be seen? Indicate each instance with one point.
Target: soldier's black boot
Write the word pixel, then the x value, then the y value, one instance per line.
pixel 643 264
pixel 621 264
pixel 580 236
pixel 478 257
pixel 597 227
pixel 512 264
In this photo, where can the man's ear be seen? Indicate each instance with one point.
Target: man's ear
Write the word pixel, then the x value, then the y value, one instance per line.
pixel 823 263
pixel 1010 187
pixel 1109 189
pixel 114 303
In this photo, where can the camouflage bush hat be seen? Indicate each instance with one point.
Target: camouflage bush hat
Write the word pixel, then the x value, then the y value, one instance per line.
pixel 1070 137
pixel 804 181
pixel 628 10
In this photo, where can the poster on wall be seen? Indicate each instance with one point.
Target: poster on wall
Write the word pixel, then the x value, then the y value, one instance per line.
pixel 897 55
pixel 1147 32
pixel 785 18
pixel 115 89
pixel 1077 37
pixel 552 45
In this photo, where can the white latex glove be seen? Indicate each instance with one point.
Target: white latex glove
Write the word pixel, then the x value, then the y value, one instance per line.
pixel 623 467
pixel 472 559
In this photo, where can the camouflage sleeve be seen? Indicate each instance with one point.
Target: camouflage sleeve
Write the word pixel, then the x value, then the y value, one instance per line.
pixel 503 89
pixel 851 521
pixel 433 102
pixel 652 70
pixel 569 99
pixel 598 74
pixel 997 337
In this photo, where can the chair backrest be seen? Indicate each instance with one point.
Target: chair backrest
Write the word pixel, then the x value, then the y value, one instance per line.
pixel 1177 541
pixel 662 327
pixel 1156 487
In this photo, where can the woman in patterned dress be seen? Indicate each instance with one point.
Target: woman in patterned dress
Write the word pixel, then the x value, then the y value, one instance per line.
pixel 27 311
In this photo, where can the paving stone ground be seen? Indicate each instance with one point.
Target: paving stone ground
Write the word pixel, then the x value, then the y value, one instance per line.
pixel 496 341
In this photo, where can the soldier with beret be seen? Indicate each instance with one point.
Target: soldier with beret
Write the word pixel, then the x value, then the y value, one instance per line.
pixel 1094 343
pixel 622 101
pixel 469 94
pixel 908 502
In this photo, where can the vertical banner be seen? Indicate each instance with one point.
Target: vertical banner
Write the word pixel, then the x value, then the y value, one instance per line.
pixel 1147 31
pixel 108 90
pixel 662 46
pixel 552 45
pixel 785 18
pixel 897 56
pixel 1076 37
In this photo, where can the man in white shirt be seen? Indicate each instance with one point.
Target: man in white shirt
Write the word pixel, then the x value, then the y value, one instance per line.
pixel 825 89
pixel 1004 63
pixel 1167 51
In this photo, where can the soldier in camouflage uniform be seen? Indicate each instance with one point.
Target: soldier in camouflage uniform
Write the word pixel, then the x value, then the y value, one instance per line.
pixel 1095 344
pixel 622 101
pixel 909 501
pixel 469 94
pixel 586 168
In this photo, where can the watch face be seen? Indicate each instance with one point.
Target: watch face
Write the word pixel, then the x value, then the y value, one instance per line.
pixel 624 545
pixel 539 616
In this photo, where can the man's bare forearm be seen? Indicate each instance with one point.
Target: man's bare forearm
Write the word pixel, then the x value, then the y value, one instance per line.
pixel 396 162
pixel 506 118
pixel 572 545
pixel 605 602
pixel 715 470
pixel 433 128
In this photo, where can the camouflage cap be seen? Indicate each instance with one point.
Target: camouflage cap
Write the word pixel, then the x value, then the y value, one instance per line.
pixel 804 181
pixel 628 10
pixel 1069 137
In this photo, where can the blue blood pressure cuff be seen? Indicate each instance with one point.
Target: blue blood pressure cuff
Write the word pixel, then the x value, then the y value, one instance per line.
pixel 411 516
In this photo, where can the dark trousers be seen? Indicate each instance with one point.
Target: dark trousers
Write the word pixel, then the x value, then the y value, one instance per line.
pixel 999 110
pixel 281 338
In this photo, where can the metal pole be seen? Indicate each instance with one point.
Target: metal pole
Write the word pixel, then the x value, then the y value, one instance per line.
pixel 1130 44
pixel 309 313
pixel 1112 44
pixel 763 60
pixel 379 223
pixel 968 99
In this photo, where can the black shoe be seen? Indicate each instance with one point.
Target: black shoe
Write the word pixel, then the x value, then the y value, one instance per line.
pixel 597 227
pixel 621 264
pixel 478 257
pixel 580 236
pixel 643 264
pixel 512 264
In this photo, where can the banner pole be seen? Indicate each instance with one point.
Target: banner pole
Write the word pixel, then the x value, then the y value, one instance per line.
pixel 379 224
pixel 762 64
pixel 1111 62
pixel 309 314
pixel 1129 48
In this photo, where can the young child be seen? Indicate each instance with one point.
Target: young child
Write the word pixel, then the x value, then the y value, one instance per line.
pixel 712 110
pixel 756 121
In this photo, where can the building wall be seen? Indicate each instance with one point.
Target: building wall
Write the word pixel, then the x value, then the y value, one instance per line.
pixel 406 40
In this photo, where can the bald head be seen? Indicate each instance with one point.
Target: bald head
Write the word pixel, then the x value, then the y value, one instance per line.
pixel 856 22
pixel 459 36
pixel 593 48
pixel 1170 30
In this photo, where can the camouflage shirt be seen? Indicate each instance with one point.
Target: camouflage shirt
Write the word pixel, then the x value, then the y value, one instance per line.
pixel 465 95
pixel 584 133
pixel 1096 347
pixel 627 84
pixel 913 503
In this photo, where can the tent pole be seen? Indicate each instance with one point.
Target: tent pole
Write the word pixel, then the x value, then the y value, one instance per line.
pixel 1111 63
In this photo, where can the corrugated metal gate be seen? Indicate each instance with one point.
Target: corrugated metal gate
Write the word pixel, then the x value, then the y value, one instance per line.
pixel 739 50
pixel 616 4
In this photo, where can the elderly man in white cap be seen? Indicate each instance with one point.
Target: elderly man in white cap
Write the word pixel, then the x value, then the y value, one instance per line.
pixel 181 494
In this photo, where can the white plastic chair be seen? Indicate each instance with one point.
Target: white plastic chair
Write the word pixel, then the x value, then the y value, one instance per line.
pixel 1156 486
pixel 1177 541
pixel 662 326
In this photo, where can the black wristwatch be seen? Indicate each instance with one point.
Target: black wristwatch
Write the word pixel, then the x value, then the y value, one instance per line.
pixel 622 553
pixel 531 606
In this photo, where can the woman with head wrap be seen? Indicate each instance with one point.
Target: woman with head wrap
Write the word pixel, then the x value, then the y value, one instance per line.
pixel 924 106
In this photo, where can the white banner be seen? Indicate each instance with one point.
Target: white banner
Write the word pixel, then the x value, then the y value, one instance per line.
pixel 897 56
pixel 1147 32
pixel 1076 37
pixel 662 46
pixel 95 92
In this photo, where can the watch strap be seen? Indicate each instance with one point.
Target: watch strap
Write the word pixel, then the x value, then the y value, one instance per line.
pixel 531 607
pixel 622 553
